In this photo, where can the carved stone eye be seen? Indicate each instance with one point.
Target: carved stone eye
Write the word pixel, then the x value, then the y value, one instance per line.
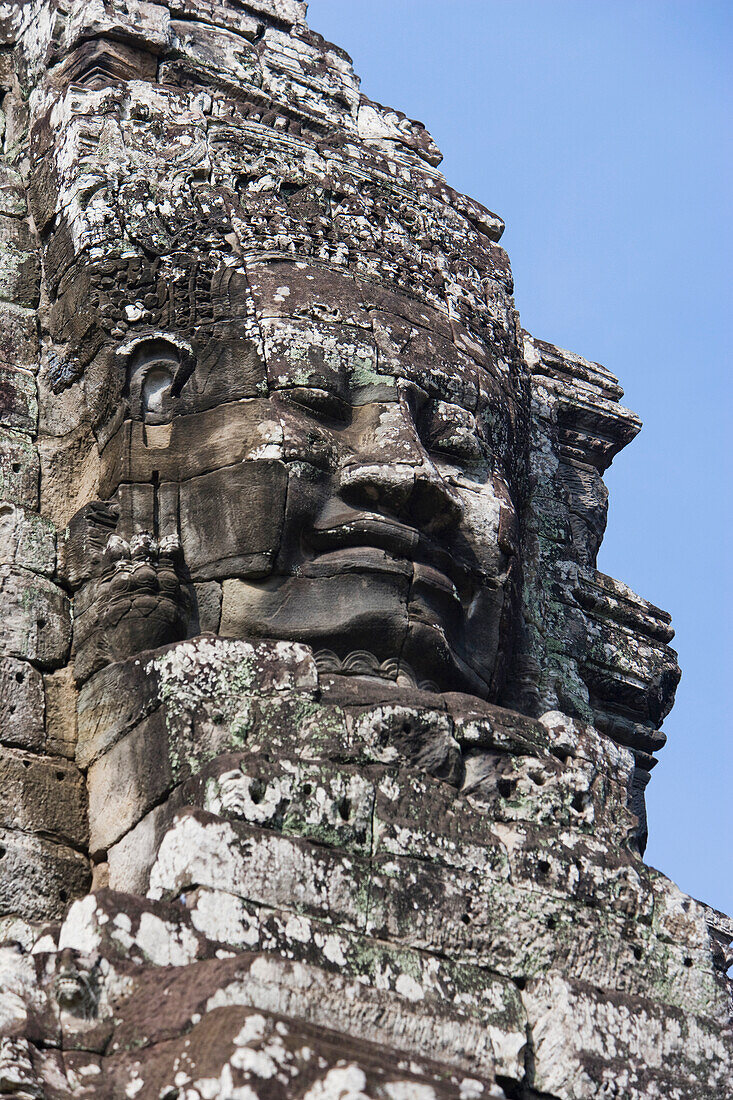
pixel 451 433
pixel 319 403
pixel 156 387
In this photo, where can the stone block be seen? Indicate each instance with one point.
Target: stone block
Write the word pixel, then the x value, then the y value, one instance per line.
pixel 18 402
pixel 12 193
pixel 42 795
pixel 135 21
pixel 112 703
pixel 248 501
pixel 37 622
pixel 310 879
pixel 319 354
pixel 70 474
pixel 208 607
pixel 38 878
pixel 126 782
pixel 336 608
pixel 221 15
pixel 287 290
pixel 422 736
pixel 26 539
pixel 19 264
pixel 61 701
pixel 190 445
pixel 21 705
pixel 214 55
pixel 19 343
pixel 19 469
pixel 585 1043
pixel 289 12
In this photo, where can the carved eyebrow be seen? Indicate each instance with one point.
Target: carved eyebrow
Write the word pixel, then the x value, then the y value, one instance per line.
pixel 453 390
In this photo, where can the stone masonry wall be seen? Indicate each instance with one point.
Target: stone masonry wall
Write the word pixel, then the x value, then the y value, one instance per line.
pixel 323 742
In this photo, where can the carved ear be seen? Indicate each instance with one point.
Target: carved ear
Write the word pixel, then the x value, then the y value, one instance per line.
pixel 157 369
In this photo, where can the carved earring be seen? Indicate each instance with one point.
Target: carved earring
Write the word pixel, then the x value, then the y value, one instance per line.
pixel 155 389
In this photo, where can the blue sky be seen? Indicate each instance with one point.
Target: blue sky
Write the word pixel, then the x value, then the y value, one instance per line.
pixel 598 129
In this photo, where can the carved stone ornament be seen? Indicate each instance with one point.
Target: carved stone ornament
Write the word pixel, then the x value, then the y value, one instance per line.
pixel 324 742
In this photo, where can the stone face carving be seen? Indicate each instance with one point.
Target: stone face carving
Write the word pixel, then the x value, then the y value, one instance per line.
pixel 306 668
pixel 344 505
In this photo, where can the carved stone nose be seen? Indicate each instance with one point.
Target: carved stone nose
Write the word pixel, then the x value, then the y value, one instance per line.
pixel 417 495
pixel 434 504
pixel 411 488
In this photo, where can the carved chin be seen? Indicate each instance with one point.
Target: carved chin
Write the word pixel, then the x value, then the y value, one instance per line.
pixel 389 608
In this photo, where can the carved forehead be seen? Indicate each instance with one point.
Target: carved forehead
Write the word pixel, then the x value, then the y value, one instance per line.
pixel 319 323
pixel 309 325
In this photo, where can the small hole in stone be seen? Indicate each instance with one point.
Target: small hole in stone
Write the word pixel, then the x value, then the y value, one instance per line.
pixel 561 754
pixel 257 791
pixel 60 776
pixel 20 677
pixel 63 896
pixel 26 763
pixel 16 467
pixel 688 962
pixel 11 709
pixel 344 809
pixel 578 803
pixel 2 851
pixel 551 923
pixel 544 866
pixel 307 789
pixel 520 983
pixel 466 919
pixel 41 623
pixel 637 953
pixel 505 788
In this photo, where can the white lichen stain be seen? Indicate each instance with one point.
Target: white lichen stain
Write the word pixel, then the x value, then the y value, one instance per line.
pixel 340 1083
pixel 80 931
pixel 407 987
pixel 333 949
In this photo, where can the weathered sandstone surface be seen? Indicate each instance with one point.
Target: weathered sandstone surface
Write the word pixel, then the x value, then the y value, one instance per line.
pixel 323 741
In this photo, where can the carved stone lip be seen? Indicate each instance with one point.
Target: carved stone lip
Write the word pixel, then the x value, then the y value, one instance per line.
pixel 376 532
pixel 365 529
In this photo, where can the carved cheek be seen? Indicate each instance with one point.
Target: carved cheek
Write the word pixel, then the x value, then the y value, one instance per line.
pixel 482 525
pixel 310 442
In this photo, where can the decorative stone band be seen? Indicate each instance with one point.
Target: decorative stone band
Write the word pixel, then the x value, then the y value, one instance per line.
pixel 362 663
pixel 601 650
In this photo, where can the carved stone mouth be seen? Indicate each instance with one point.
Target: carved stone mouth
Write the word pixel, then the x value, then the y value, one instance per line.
pixel 365 530
pixel 369 531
